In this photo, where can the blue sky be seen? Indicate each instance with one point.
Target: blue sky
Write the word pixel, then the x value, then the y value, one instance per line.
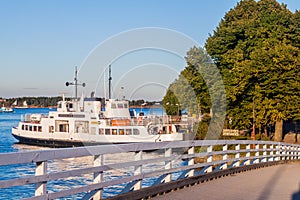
pixel 42 41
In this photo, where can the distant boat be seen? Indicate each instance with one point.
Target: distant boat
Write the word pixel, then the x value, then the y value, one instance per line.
pixel 23 106
pixel 6 109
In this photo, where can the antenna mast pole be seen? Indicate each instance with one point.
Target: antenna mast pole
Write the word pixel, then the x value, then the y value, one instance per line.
pixel 75 83
pixel 109 82
pixel 75 79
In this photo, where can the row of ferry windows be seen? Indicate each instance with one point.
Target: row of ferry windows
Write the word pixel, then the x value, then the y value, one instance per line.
pixel 31 128
pixel 108 131
pixel 119 105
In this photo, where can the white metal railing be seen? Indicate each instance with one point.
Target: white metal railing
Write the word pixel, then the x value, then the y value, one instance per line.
pixel 203 156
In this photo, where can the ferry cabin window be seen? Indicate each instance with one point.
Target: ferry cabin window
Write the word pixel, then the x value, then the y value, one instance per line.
pixel 114 131
pixel 101 131
pixel 35 128
pixel 70 107
pixel 136 132
pixel 81 126
pixel 128 132
pixel 120 105
pixel 107 131
pixel 64 128
pixel 121 131
pixel 26 127
pixel 39 129
pixel 23 127
pixel 61 126
pixel 125 105
pixel 51 129
pixel 30 128
pixel 113 106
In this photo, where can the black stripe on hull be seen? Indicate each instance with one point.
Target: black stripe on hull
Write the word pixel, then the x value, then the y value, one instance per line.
pixel 52 143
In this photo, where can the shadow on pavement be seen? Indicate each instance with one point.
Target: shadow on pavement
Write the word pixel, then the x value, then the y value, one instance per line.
pixel 296 195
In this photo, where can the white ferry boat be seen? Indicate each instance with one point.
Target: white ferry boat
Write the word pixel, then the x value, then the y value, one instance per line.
pixel 74 124
pixel 88 122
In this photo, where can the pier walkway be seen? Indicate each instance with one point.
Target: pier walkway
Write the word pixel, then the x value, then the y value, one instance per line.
pixel 200 169
pixel 279 182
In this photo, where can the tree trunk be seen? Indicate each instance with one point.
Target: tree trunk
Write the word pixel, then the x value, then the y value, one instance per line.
pixel 278 131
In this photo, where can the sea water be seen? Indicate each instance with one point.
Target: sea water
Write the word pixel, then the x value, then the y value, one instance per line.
pixel 9 144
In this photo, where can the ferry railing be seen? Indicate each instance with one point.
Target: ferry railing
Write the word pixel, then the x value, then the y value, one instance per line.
pixel 200 158
pixel 162 120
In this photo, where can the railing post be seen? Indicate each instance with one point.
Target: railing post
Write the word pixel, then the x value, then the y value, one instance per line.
pixel 264 153
pixel 209 158
pixel 293 153
pixel 225 156
pixel 41 169
pixel 98 176
pixel 271 153
pixel 257 160
pixel 168 164
pixel 278 153
pixel 191 161
pixel 138 169
pixel 286 152
pixel 237 155
pixel 248 154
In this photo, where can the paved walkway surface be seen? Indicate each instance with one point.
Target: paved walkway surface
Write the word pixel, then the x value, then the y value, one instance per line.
pixel 280 182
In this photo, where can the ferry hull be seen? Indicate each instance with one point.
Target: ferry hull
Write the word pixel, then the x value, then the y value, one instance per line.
pixel 82 141
pixel 49 143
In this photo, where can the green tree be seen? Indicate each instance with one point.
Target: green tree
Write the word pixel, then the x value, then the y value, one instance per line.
pixel 200 90
pixel 190 90
pixel 256 48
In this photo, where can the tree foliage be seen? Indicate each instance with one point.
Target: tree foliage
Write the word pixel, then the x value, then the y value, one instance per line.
pixel 256 48
pixel 200 90
pixel 34 101
pixel 190 90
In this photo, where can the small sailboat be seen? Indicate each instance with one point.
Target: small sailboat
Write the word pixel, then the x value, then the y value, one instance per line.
pixel 15 103
pixel 24 105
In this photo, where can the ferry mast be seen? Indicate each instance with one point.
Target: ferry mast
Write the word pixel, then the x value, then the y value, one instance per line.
pixel 109 82
pixel 75 83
